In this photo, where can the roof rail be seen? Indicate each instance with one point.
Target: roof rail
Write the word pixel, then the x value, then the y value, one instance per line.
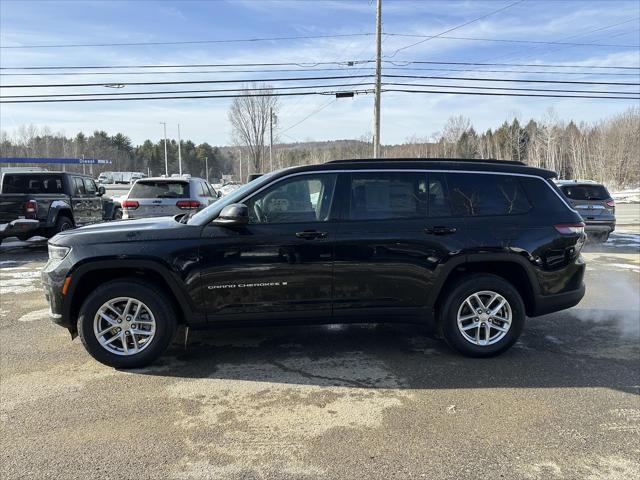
pixel 434 160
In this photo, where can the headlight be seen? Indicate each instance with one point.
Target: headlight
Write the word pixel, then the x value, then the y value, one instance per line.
pixel 58 253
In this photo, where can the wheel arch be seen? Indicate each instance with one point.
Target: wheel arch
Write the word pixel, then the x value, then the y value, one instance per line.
pixel 90 275
pixel 513 269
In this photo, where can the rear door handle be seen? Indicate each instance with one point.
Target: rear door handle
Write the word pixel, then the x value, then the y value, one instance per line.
pixel 439 230
pixel 311 234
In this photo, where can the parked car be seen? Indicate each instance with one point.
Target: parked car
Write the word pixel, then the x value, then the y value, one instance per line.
pixel 158 197
pixel 108 178
pixel 46 203
pixel 471 246
pixel 594 203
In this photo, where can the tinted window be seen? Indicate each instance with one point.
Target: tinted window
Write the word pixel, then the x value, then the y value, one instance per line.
pixel 77 181
pixel 90 186
pixel 32 184
pixel 212 192
pixel 585 192
pixel 475 195
pixel 305 198
pixel 376 196
pixel 438 198
pixel 159 189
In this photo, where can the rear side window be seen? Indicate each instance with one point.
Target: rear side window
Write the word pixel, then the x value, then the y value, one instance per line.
pixel 475 195
pixel 585 192
pixel 388 195
pixel 159 189
pixel 33 184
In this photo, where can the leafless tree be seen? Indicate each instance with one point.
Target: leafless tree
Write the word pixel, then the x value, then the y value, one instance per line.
pixel 249 117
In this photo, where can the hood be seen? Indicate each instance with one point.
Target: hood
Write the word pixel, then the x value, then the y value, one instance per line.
pixel 144 229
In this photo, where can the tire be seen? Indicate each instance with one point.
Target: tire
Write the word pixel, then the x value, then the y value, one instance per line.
pixel 62 223
pixel 154 309
pixel 485 286
pixel 117 214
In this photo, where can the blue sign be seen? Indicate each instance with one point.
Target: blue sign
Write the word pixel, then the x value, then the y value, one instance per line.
pixel 72 161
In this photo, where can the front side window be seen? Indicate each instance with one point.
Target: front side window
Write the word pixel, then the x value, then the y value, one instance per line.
pixel 90 186
pixel 388 195
pixel 305 198
pixel 474 195
pixel 77 181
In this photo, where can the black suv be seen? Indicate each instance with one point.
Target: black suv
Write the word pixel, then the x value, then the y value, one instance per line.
pixel 473 246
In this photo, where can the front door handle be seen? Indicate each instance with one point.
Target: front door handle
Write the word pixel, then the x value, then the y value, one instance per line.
pixel 311 234
pixel 439 230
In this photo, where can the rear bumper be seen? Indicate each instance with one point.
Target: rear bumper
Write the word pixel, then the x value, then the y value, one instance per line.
pixel 554 303
pixel 600 226
pixel 18 227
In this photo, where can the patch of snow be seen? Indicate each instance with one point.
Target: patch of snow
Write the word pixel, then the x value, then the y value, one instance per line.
pixel 630 195
pixel 35 315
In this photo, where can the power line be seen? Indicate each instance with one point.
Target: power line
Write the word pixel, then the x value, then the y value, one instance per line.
pixel 366 91
pixel 510 94
pixel 162 92
pixel 318 110
pixel 474 87
pixel 343 69
pixel 188 42
pixel 505 40
pixel 337 77
pixel 183 97
pixel 469 87
pixel 516 80
pixel 346 63
pixel 454 28
pixel 541 65
pixel 182 82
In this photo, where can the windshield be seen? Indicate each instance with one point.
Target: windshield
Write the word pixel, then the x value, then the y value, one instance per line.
pixel 585 192
pixel 159 189
pixel 213 210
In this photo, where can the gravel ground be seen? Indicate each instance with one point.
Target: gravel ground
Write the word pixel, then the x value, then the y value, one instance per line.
pixel 331 402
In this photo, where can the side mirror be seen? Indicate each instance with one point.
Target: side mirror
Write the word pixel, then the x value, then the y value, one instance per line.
pixel 101 191
pixel 234 214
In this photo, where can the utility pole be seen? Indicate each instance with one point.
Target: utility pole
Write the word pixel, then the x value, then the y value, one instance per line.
pixel 179 152
pixel 376 108
pixel 271 139
pixel 166 162
pixel 206 167
pixel 240 156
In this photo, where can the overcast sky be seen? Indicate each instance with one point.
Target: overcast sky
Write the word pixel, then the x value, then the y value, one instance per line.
pixel 403 115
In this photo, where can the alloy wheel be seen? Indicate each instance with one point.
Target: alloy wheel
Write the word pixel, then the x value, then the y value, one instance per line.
pixel 484 318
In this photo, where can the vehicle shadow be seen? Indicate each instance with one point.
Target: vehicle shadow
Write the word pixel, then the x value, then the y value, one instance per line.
pixel 591 349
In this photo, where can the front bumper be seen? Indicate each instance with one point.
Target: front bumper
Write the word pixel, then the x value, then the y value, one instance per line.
pixel 18 227
pixel 53 279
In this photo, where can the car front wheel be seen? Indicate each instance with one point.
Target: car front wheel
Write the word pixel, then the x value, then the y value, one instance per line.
pixel 482 316
pixel 126 323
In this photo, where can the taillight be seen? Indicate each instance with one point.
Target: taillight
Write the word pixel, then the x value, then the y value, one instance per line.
pixel 611 202
pixel 31 206
pixel 187 204
pixel 570 228
pixel 130 204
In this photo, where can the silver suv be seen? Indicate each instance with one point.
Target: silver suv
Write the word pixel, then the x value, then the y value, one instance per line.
pixel 167 196
pixel 594 204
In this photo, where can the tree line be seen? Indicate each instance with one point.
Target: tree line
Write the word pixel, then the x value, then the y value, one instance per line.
pixel 607 151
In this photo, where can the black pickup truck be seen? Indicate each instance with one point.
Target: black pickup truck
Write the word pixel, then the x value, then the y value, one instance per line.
pixel 46 203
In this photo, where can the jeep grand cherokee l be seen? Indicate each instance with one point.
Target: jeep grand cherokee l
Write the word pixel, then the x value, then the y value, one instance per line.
pixel 474 246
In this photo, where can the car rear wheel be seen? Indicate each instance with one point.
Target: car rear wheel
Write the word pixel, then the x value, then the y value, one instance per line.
pixel 483 316
pixel 126 324
pixel 62 223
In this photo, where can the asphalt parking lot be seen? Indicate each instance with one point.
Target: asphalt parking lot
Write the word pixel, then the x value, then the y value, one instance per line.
pixel 332 402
